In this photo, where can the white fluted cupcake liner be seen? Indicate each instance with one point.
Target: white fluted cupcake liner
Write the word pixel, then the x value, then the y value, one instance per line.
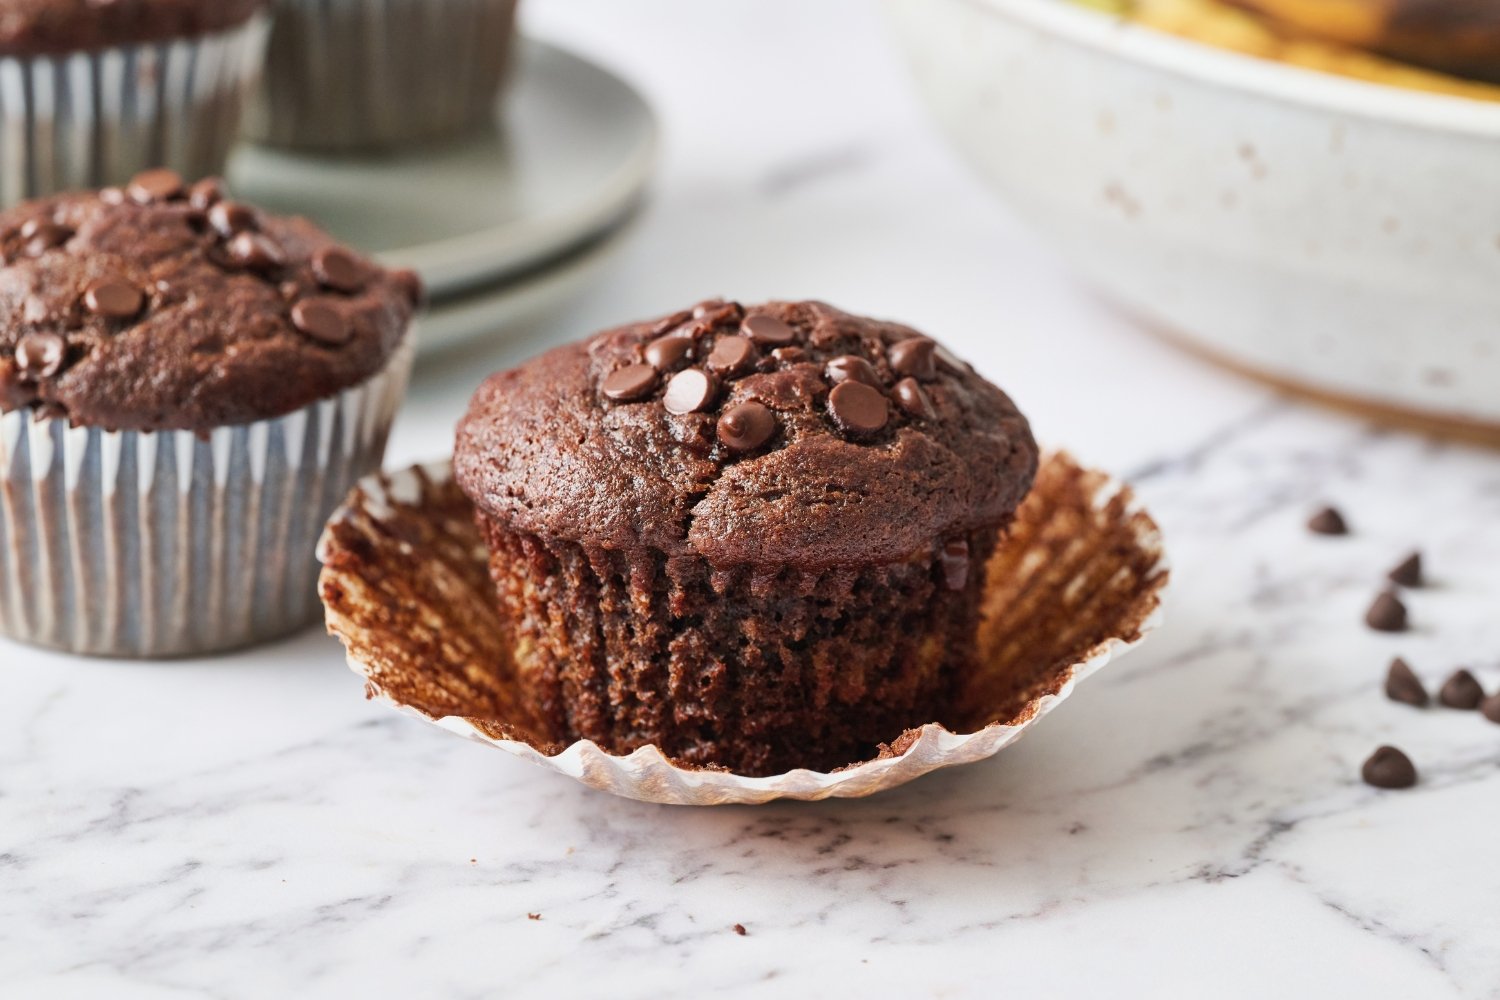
pixel 406 587
pixel 347 75
pixel 169 544
pixel 91 119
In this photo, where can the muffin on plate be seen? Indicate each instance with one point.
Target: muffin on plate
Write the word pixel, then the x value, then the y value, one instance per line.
pixel 753 537
pixel 362 75
pixel 188 387
pixel 93 92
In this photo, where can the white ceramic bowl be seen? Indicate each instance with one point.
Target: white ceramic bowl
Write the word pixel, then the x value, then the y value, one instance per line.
pixel 1330 234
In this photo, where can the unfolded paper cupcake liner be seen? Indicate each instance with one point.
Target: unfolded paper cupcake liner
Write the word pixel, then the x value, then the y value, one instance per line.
pixel 90 119
pixel 348 75
pixel 168 543
pixel 406 588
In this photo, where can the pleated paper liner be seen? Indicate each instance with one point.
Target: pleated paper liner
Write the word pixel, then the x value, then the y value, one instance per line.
pixel 406 588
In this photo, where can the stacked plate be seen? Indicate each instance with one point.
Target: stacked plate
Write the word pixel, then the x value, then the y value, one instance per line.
pixel 502 226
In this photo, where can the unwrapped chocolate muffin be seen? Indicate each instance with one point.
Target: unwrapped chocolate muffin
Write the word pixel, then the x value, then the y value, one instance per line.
pixel 754 538
pixel 188 386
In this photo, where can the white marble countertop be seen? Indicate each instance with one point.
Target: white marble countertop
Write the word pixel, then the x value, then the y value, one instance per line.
pixel 1190 824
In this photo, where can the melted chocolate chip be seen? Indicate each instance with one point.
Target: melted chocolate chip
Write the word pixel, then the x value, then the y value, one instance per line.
pixel 789 355
pixel 690 391
pixel 731 355
pixel 1387 614
pixel 231 218
pixel 630 383
pixel 916 357
pixel 113 298
pixel 1389 768
pixel 256 252
pixel 716 311
pixel 1409 572
pixel 746 427
pixel 667 352
pixel 671 322
pixel 322 320
pixel 1461 691
pixel 851 367
pixel 154 185
pixel 914 399
pixel 955 562
pixel 338 269
pixel 768 331
pixel 1403 685
pixel 1328 521
pixel 41 355
pixel 44 236
pixel 857 408
pixel 206 193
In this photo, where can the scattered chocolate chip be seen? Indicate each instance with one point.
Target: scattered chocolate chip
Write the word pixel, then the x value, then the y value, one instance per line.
pixel 948 361
pixel 1490 707
pixel 411 285
pixel 715 311
pixel 914 400
pixel 768 331
pixel 1387 614
pixel 857 408
pixel 338 269
pixel 746 427
pixel 231 218
pixel 916 357
pixel 690 391
pixel 851 368
pixel 667 352
pixel 955 560
pixel 154 185
pixel 1389 768
pixel 206 193
pixel 533 916
pixel 1461 691
pixel 731 355
pixel 114 299
pixel 1402 685
pixel 44 236
pixel 1409 572
pixel 671 322
pixel 322 320
pixel 256 252
pixel 630 383
pixel 740 930
pixel 1328 521
pixel 40 355
pixel 789 355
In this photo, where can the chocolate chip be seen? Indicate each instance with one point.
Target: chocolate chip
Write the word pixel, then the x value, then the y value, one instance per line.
pixel 231 218
pixel 44 236
pixel 322 320
pixel 629 383
pixel 41 355
pixel 411 285
pixel 955 560
pixel 715 311
pixel 768 331
pixel 1389 768
pixel 1491 707
pixel 789 355
pixel 948 361
pixel 338 269
pixel 740 930
pixel 665 353
pixel 915 357
pixel 1402 685
pixel 851 368
pixel 114 299
pixel 857 408
pixel 1409 572
pixel 746 427
pixel 154 185
pixel 732 355
pixel 1328 521
pixel 206 193
pixel 671 322
pixel 914 400
pixel 690 391
pixel 1387 614
pixel 256 252
pixel 1461 691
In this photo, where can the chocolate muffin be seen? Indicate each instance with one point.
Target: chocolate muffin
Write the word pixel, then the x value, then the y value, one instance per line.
pixel 754 538
pixel 93 92
pixel 187 388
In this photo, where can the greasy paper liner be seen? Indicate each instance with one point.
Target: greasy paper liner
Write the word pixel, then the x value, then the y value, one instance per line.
pixel 89 119
pixel 349 75
pixel 406 588
pixel 169 544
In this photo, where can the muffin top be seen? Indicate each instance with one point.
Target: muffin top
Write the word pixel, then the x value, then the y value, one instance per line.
pixel 787 434
pixel 38 27
pixel 159 306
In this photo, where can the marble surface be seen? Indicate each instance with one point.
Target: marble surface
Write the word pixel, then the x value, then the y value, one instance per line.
pixel 1189 824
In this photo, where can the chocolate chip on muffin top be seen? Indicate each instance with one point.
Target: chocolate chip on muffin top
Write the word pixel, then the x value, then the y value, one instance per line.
pixel 37 27
pixel 161 305
pixel 787 433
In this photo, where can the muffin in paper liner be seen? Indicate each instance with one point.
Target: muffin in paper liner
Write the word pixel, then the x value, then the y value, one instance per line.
pixel 406 588
pixel 93 118
pixel 352 75
pixel 167 543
